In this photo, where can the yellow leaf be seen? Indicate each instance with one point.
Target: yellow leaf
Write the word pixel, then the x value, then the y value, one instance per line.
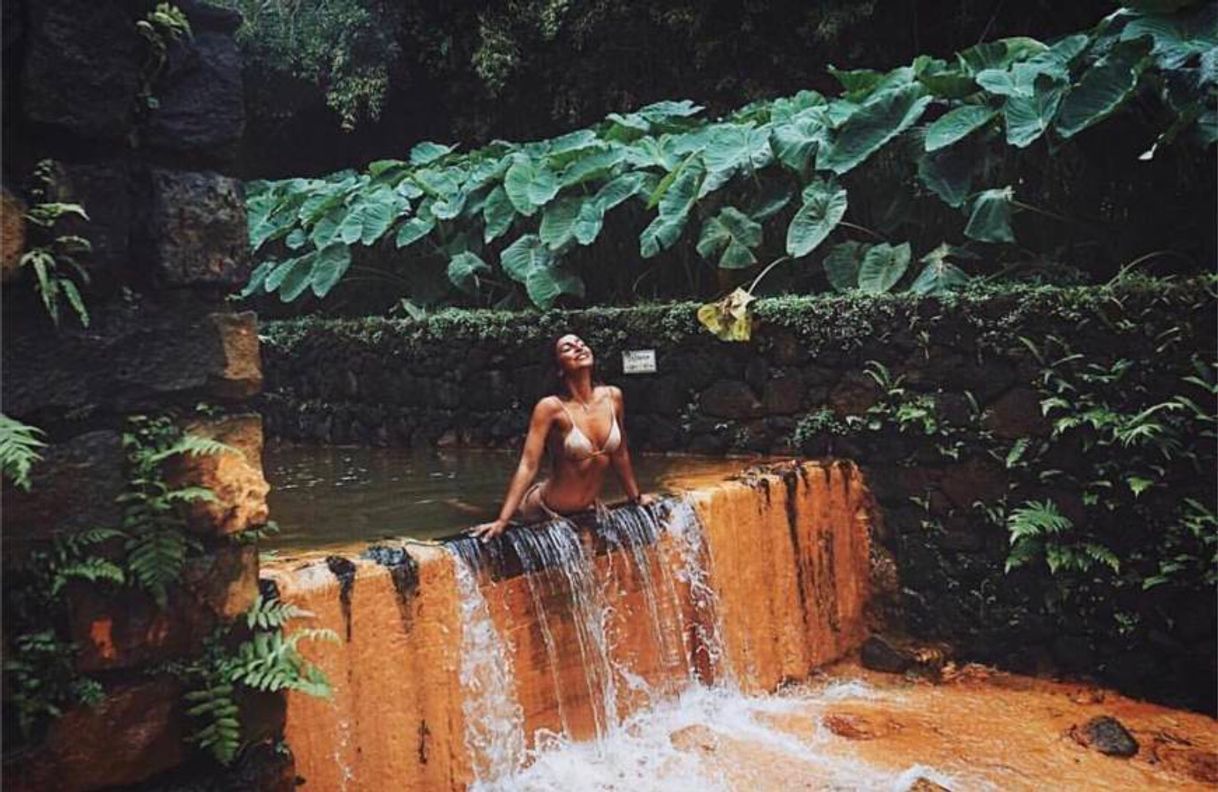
pixel 730 318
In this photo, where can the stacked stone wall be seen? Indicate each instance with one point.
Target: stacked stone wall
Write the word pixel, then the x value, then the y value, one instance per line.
pixel 146 148
pixel 931 396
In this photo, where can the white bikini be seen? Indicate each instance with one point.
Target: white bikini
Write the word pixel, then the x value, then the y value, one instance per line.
pixel 576 446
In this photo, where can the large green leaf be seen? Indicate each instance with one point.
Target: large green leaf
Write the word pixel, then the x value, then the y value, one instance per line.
pixel 883 265
pixel 948 173
pixel 525 255
pixel 296 277
pixel 731 235
pixel 842 264
pixel 939 275
pixel 957 124
pixel 870 126
pixel 675 204
pixel 1103 88
pixel 1028 117
pixel 426 152
pixel 1176 37
pixel 795 142
pixel 734 148
pixel 546 285
pixel 463 270
pixel 497 214
pixel 329 267
pixel 558 221
pixel 823 208
pixel 414 229
pixel 618 190
pixel 595 165
pixel 990 219
pixel 588 222
pixel 529 185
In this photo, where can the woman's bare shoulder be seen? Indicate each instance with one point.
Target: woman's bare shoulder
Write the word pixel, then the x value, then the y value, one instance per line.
pixel 612 391
pixel 547 405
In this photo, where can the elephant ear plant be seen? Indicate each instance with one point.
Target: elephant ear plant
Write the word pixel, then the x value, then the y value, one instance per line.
pixel 544 221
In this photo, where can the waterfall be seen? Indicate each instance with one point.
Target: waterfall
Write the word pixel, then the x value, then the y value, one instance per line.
pixel 494 721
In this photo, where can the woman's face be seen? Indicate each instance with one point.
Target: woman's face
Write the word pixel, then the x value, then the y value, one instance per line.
pixel 572 354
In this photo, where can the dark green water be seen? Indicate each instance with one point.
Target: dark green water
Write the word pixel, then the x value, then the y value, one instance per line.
pixel 327 496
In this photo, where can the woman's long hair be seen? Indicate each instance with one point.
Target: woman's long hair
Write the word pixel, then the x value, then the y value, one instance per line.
pixel 558 386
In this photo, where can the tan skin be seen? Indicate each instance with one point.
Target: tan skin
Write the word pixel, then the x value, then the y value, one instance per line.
pixel 574 484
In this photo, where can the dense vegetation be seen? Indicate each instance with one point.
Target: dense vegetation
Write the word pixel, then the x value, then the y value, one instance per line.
pixel 339 83
pixel 937 162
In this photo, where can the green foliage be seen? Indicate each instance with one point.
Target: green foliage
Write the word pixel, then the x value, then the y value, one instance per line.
pixel 344 49
pixel 526 210
pixel 266 660
pixel 53 258
pixel 161 26
pixel 19 446
pixel 41 679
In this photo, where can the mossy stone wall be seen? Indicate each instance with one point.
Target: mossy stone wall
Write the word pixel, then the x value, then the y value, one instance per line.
pixel 933 396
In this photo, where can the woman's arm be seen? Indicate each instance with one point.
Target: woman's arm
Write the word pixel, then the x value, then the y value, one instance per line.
pixel 621 457
pixel 526 471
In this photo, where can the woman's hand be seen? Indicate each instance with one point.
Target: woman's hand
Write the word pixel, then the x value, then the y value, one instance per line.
pixel 488 531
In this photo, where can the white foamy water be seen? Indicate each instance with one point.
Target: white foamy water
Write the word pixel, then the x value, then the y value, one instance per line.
pixel 494 720
pixel 702 738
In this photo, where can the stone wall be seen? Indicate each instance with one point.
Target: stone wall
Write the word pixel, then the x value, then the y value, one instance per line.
pixel 932 396
pixel 167 230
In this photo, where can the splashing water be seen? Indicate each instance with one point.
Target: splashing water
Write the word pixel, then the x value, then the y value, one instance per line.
pixel 494 720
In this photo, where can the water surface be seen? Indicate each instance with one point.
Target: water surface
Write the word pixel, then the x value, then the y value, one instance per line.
pixel 328 496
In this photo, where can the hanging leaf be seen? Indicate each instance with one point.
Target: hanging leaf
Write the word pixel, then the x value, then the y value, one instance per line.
pixel 823 208
pixel 939 275
pixel 297 278
pixel 948 173
pixel 1103 88
pixel 588 222
pixel 546 285
pixel 843 263
pixel 497 214
pixel 990 219
pixel 523 256
pixel 957 124
pixel 730 318
pixel 870 126
pixel 414 229
pixel 618 190
pixel 795 143
pixel 557 223
pixel 883 265
pixel 427 152
pixel 731 235
pixel 529 185
pixel 1028 117
pixel 463 270
pixel 329 266
pixel 678 199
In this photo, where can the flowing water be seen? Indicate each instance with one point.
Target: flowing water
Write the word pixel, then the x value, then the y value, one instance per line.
pixel 675 647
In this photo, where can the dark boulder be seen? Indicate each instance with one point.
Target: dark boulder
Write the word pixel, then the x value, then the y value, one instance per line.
pixel 1106 735
pixel 879 655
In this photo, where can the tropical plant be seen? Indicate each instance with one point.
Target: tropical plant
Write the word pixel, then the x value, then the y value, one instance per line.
pixel 19 444
pixel 268 660
pixel 58 274
pixel 162 25
pixel 772 172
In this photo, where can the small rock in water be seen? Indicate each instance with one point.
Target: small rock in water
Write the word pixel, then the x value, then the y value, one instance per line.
pixel 1106 735
pixel 879 655
pixel 695 738
pixel 857 727
pixel 926 785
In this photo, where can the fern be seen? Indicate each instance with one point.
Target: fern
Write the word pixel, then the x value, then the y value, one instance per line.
pixel 272 614
pixel 1036 519
pixel 92 570
pixel 155 559
pixel 19 446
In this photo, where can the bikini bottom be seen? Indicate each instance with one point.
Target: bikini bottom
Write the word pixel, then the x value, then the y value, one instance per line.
pixel 533 506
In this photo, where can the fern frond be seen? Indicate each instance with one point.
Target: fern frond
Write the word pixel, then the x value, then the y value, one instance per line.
pixel 18 450
pixel 273 614
pixel 1036 518
pixel 156 559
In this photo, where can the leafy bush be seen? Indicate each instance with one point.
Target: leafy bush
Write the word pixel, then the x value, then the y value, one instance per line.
pixel 768 180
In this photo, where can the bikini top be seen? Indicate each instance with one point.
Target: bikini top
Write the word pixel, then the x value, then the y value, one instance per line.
pixel 577 445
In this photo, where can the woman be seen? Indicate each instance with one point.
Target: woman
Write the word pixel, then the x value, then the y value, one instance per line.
pixel 583 427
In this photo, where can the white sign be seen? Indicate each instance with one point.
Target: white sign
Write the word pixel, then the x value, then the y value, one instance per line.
pixel 639 361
